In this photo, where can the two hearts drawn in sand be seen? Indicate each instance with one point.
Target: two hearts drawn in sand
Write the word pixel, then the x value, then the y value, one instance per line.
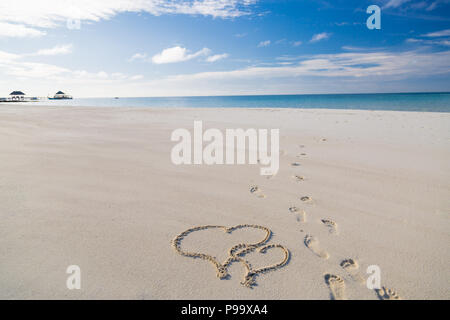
pixel 235 253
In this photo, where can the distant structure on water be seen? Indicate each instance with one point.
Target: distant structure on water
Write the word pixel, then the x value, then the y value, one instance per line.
pixel 20 96
pixel 17 96
pixel 60 96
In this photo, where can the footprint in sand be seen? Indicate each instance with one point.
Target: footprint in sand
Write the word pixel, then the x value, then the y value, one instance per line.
pixel 298 178
pixel 300 214
pixel 336 285
pixel 306 199
pixel 257 192
pixel 313 244
pixel 332 226
pixel 295 164
pixel 352 267
pixel 387 294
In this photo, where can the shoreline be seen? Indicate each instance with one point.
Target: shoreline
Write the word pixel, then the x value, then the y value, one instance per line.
pixel 422 102
pixel 305 109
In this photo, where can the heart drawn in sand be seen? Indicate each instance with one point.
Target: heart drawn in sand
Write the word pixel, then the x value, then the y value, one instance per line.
pixel 235 253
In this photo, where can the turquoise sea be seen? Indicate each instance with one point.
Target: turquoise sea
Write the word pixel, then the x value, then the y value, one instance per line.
pixel 431 102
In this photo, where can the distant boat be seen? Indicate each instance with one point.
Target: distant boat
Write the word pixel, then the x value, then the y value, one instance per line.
pixel 60 96
pixel 116 98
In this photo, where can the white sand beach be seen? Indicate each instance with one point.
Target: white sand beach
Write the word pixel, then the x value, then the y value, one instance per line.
pixel 95 187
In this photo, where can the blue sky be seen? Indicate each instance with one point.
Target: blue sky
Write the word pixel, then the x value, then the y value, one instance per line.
pixel 101 48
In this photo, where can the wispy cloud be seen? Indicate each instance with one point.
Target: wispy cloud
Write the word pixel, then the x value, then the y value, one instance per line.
pixel 408 6
pixel 217 57
pixel 435 4
pixel 16 66
pixel 12 30
pixel 440 42
pixel 19 16
pixel 395 3
pixel 136 77
pixel 362 49
pixel 178 54
pixel 138 56
pixel 265 43
pixel 240 35
pixel 437 38
pixel 382 65
pixel 436 34
pixel 321 73
pixel 57 50
pixel 432 6
pixel 297 43
pixel 320 36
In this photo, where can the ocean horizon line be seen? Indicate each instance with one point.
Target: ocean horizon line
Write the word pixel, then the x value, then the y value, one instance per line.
pixel 403 101
pixel 259 95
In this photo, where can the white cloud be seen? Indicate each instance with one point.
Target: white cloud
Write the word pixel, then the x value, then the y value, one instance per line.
pixel 444 42
pixel 382 65
pixel 442 33
pixel 136 77
pixel 57 50
pixel 358 71
pixel 177 54
pixel 379 71
pixel 217 57
pixel 361 49
pixel 264 44
pixel 320 36
pixel 394 3
pixel 240 35
pixel 14 66
pixel 19 16
pixel 439 38
pixel 13 30
pixel 138 56
pixel 33 70
pixel 297 43
pixel 413 40
pixel 8 57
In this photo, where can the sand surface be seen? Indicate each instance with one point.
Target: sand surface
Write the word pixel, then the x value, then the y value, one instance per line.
pixel 95 187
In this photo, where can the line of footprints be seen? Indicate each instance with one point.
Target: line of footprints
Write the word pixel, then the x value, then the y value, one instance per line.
pixel 335 283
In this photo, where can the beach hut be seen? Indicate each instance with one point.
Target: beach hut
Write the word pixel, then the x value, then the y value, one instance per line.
pixel 17 96
pixel 60 95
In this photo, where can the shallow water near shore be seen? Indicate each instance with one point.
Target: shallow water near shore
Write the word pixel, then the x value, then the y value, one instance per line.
pixel 429 102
